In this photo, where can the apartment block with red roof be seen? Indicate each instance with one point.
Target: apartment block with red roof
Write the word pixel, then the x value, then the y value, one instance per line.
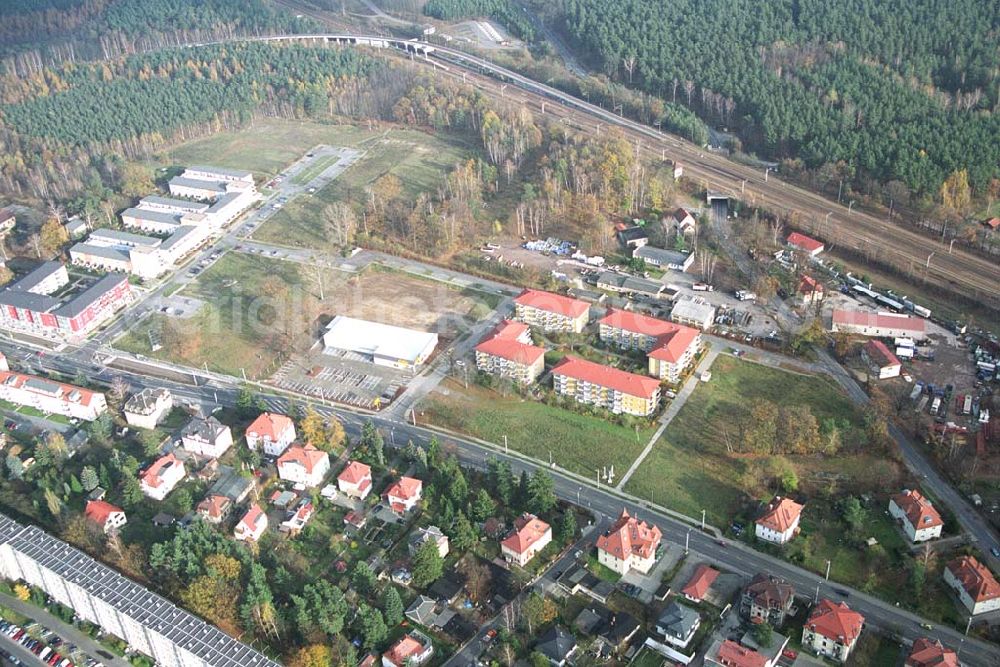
pixel 109 517
pixel 916 514
pixel 809 246
pixel 832 630
pixel 551 312
pixel 159 479
pixel 974 583
pixel 508 353
pixel 270 432
pixel 412 649
pixel 671 347
pixel 403 494
pixel 252 526
pixel 701 580
pixel 931 653
pixel 57 398
pixel 303 465
pixel 214 508
pixel 606 387
pixel 529 536
pixel 779 522
pixel 629 544
pixel 355 480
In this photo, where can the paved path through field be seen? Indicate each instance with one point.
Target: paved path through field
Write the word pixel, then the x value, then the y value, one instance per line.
pixel 672 410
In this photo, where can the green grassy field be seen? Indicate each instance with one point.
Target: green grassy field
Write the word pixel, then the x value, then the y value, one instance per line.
pixel 689 469
pixel 580 443
pixel 255 311
pixel 418 159
pixel 266 148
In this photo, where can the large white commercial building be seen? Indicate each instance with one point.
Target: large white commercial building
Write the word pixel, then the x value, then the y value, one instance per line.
pixel 382 344
pixel 878 325
pixel 149 623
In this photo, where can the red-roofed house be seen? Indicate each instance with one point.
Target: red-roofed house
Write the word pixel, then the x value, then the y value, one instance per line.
pixel 252 526
pixel 878 325
pixel 403 494
pixel 832 630
pixel 551 312
pixel 974 583
pixel 881 360
pixel 214 507
pixel 629 544
pixel 160 478
pixel 355 480
pixel 297 519
pixel 731 654
pixel 919 518
pixel 414 648
pixel 530 535
pixel 810 290
pixel 780 521
pixel 992 223
pixel 507 351
pixel 671 347
pixel 702 579
pixel 931 653
pixel 270 432
pixel 606 387
pixel 809 246
pixel 105 515
pixel 303 465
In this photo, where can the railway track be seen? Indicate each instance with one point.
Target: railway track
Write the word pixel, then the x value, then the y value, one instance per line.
pixel 880 241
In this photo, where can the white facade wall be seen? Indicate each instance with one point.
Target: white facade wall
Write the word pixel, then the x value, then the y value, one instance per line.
pixel 294 472
pixel 921 535
pixel 974 607
pixel 55 405
pixel 765 533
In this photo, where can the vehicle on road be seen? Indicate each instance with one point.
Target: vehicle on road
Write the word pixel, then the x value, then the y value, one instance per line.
pixel 842 592
pixel 995 551
pixel 490 636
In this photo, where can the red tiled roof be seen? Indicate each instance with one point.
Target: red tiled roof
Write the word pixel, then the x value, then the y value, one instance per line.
pixel 214 506
pixel 507 348
pixel 270 425
pixel 406 648
pixel 152 475
pixel 606 376
pixel 355 472
pixel 879 352
pixel 975 578
pixel 528 529
pixel 509 330
pixel 992 223
pixel 808 284
pixel 700 582
pixel 880 320
pixel 780 514
pixel 405 488
pixel 628 535
pixel 553 303
pixel 252 517
pixel 640 324
pixel 835 621
pixel 804 242
pixel 918 510
pixel 732 654
pixel 81 395
pixel 931 653
pixel 308 457
pixel 98 511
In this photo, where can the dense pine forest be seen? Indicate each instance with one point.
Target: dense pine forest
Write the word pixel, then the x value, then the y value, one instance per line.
pixel 505 12
pixel 883 90
pixel 37 32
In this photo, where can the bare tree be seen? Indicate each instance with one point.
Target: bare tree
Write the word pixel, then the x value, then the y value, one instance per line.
pixel 629 64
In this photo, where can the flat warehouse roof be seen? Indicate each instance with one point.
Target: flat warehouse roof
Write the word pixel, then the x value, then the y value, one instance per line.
pixel 238 173
pixel 154 216
pixel 197 184
pixel 375 338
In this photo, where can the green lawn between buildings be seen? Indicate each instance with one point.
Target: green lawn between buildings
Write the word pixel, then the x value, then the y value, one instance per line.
pixel 580 443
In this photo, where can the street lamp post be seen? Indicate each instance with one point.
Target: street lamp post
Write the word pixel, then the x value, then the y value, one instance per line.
pixel 505 450
pixel 828 570
pixel 849 207
pixel 687 541
pixel 703 520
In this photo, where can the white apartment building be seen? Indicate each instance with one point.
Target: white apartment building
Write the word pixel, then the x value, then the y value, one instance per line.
pixel 55 398
pixel 148 408
pixel 206 436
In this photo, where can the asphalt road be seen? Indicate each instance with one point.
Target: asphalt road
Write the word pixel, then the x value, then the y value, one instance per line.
pixel 732 556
